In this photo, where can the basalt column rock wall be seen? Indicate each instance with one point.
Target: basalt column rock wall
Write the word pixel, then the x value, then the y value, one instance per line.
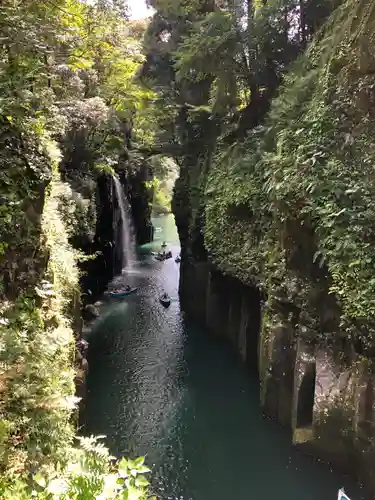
pixel 107 263
pixel 228 308
pixel 326 399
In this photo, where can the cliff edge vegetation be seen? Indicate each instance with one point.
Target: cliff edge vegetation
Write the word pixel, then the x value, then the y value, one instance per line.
pixel 272 128
pixel 69 109
pixel 290 207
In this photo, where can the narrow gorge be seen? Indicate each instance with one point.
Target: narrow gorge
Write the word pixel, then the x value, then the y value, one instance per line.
pixel 186 249
pixel 276 233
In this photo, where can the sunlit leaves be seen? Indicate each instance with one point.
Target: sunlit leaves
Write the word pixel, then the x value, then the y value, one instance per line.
pixel 90 474
pixel 67 86
pixel 310 173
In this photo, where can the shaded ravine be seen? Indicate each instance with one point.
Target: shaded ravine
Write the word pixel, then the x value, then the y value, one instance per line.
pixel 161 387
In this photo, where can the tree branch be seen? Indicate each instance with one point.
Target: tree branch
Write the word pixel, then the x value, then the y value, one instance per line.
pixel 174 150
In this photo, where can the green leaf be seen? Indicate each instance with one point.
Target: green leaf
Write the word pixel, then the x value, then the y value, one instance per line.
pixel 40 480
pixel 143 469
pixel 141 481
pixel 134 493
pixel 123 468
pixel 355 263
pixel 139 461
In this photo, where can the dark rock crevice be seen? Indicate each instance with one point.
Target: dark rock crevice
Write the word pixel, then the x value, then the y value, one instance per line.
pixel 225 306
pixel 99 270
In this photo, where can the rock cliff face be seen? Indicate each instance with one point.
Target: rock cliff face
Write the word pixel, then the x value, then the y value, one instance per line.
pixel 278 247
pixel 325 399
pixel 102 241
pixel 227 307
pixel 141 200
pixel 106 242
pixel 99 271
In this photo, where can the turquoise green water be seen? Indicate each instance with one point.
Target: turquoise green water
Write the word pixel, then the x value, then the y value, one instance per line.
pixel 162 387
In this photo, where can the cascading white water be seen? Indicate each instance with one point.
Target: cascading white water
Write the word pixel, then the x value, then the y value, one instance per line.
pixel 127 232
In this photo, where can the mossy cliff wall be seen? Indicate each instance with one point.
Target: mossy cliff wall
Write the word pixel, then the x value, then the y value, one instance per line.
pixel 99 235
pixel 140 197
pixel 45 225
pixel 289 212
pixel 39 313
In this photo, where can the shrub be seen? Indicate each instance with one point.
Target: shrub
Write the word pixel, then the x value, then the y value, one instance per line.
pixel 90 474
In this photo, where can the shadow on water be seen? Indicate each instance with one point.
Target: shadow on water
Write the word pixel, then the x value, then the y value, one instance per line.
pixel 160 386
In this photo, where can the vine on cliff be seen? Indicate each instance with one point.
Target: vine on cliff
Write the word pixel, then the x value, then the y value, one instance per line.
pixel 218 65
pixel 68 99
pixel 308 169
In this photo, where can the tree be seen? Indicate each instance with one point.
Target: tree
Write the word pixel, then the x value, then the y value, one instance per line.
pixel 70 104
pixel 216 65
pixel 240 49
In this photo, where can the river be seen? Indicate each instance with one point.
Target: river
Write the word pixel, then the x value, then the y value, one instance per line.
pixel 162 387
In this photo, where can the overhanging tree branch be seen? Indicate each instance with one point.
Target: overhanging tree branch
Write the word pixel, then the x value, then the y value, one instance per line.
pixel 173 150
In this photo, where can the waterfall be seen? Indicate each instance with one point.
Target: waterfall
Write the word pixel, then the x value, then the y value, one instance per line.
pixel 127 232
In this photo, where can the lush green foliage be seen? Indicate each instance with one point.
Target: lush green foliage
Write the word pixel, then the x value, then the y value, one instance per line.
pixel 91 473
pixel 293 203
pixel 217 65
pixel 286 187
pixel 164 175
pixel 37 355
pixel 232 53
pixel 69 109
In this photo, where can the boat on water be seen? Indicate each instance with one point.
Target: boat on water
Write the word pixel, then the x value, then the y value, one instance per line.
pixel 122 293
pixel 163 256
pixel 165 300
pixel 177 259
pixel 342 495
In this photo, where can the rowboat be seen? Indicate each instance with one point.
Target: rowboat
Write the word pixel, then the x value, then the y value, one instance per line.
pixel 122 293
pixel 165 301
pixel 342 495
pixel 163 256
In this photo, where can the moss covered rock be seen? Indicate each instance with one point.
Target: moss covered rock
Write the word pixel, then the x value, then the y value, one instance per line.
pixel 291 207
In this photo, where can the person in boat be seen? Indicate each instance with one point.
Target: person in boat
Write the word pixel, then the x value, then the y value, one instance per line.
pixel 165 296
pixel 127 288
